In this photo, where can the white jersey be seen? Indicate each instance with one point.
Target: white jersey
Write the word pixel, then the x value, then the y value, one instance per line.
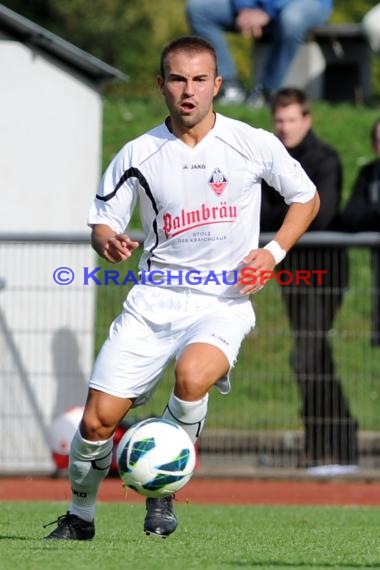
pixel 199 207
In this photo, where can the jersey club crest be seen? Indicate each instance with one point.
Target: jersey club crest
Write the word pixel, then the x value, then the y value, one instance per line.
pixel 217 181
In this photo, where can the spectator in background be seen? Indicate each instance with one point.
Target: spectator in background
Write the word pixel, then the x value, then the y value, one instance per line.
pixel 362 214
pixel 371 25
pixel 330 430
pixel 288 21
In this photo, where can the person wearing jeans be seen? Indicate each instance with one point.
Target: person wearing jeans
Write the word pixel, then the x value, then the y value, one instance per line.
pixel 287 21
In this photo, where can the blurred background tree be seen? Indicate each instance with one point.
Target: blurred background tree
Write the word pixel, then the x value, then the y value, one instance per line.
pixel 129 34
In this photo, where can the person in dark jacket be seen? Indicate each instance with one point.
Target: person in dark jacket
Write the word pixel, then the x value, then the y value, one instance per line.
pixel 330 430
pixel 362 214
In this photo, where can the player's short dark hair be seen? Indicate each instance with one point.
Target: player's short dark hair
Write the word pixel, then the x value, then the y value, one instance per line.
pixel 188 44
pixel 290 96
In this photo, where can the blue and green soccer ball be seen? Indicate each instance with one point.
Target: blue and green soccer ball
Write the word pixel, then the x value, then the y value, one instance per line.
pixel 155 457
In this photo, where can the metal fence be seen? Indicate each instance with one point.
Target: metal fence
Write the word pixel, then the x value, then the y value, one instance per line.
pixel 307 379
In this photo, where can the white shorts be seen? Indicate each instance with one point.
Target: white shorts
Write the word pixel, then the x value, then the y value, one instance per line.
pixel 155 326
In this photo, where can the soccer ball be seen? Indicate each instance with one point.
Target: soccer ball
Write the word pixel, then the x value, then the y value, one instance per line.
pixel 156 457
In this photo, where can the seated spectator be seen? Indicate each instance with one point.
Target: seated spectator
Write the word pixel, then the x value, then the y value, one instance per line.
pixel 362 214
pixel 330 430
pixel 288 22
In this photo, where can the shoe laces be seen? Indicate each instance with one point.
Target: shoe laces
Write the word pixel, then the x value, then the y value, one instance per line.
pixel 58 521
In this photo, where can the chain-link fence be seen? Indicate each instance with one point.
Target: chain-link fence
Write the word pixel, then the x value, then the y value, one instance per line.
pixel 305 390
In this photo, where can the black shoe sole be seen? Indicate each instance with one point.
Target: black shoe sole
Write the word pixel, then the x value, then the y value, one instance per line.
pixel 155 534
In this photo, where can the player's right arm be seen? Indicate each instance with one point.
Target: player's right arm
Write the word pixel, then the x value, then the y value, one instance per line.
pixel 110 245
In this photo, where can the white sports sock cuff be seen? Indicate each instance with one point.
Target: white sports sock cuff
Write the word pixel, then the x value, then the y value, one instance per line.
pixel 189 415
pixel 89 450
pixel 276 250
pixel 188 412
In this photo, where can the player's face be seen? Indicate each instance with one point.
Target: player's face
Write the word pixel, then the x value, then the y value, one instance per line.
pixel 189 87
pixel 291 125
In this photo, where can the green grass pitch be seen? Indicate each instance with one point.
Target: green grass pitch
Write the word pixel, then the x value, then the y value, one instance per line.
pixel 208 538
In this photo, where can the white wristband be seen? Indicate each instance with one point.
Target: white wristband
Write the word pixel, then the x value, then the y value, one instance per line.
pixel 276 250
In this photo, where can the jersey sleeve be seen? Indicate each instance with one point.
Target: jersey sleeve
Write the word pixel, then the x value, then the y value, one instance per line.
pixel 286 175
pixel 116 196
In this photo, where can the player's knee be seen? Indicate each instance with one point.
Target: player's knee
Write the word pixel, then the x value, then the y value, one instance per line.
pixel 190 384
pixel 95 428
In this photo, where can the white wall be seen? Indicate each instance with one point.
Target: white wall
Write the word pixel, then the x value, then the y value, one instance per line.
pixel 50 140
pixel 46 347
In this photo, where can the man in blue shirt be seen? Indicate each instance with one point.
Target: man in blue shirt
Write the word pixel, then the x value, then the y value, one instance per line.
pixel 288 21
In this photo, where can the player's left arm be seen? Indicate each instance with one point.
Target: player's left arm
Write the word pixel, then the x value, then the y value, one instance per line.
pixel 263 260
pixel 297 220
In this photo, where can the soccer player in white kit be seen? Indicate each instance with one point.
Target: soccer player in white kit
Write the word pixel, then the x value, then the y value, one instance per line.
pixel 197 179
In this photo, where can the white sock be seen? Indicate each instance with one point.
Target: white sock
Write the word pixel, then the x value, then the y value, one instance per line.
pixel 191 416
pixel 89 465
